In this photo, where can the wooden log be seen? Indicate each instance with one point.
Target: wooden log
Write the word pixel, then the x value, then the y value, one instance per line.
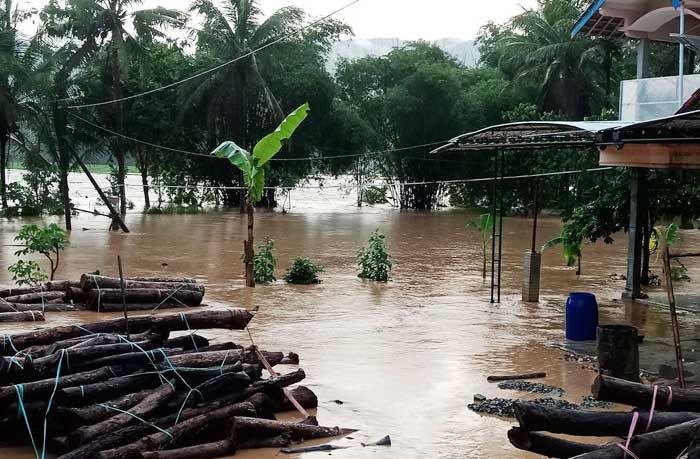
pixel 127 435
pixel 61 285
pixel 179 434
pixel 81 357
pixel 607 388
pixel 205 451
pixel 107 390
pixel 302 394
pixel 174 280
pixel 47 307
pixel 39 389
pixel 246 428
pixel 143 410
pixel 496 378
pixel 219 347
pixel 155 296
pixel 92 282
pixel 36 297
pixel 92 414
pixel 313 449
pixel 232 319
pixel 77 295
pixel 187 342
pixel 694 446
pixel 534 417
pixel 117 307
pixel 24 316
pixel 14 291
pixel 6 307
pixel 278 441
pixel 668 442
pixel 546 445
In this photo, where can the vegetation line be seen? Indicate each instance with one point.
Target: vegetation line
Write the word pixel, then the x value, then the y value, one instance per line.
pixel 219 67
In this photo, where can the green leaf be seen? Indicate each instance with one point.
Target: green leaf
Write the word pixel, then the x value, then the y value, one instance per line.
pixel 552 243
pixel 257 184
pixel 672 235
pixel 237 155
pixel 485 222
pixel 271 144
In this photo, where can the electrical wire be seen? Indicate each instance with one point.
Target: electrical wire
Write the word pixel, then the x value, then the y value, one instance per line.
pixel 220 66
pixel 309 158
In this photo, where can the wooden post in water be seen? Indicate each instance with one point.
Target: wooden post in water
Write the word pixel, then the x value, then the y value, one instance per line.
pixel 121 283
pixel 674 315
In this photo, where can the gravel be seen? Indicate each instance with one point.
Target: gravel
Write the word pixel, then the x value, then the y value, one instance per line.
pixel 504 406
pixel 590 402
pixel 536 388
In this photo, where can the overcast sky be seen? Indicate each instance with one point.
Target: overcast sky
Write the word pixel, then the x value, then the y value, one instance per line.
pixel 406 19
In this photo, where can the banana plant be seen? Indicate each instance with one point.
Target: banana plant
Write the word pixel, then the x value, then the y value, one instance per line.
pixel 485 226
pixel 253 167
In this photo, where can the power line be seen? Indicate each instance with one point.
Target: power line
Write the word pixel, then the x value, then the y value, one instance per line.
pixel 322 187
pixel 309 158
pixel 219 67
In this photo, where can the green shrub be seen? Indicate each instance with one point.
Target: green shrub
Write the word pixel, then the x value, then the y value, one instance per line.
pixel 264 263
pixel 36 194
pixel 27 273
pixel 174 209
pixel 373 260
pixel 48 241
pixel 374 195
pixel 303 271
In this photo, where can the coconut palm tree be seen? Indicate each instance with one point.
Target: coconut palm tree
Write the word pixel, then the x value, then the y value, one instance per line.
pixel 15 69
pixel 105 24
pixel 538 51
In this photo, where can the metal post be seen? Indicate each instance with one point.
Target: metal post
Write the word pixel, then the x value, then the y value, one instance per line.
pixel 500 225
pixel 681 58
pixel 535 211
pixel 643 54
pixel 493 224
pixel 634 245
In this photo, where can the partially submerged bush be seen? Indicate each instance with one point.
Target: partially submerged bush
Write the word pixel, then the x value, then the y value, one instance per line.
pixel 264 263
pixel 374 195
pixel 36 194
pixel 27 273
pixel 48 241
pixel 374 260
pixel 303 271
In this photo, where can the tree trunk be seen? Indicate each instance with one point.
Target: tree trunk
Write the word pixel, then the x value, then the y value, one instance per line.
pixel 668 442
pixel 119 127
pixel 146 187
pixel 26 316
pixel 249 246
pixel 64 191
pixel 609 389
pixel 142 295
pixel 3 169
pixel 145 408
pixel 35 298
pixel 534 417
pixel 232 319
pixel 89 282
pixel 546 445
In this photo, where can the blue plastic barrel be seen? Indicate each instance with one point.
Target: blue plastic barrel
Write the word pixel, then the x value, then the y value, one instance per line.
pixel 581 316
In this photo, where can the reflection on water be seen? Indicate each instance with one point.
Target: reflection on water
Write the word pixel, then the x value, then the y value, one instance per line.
pixel 405 357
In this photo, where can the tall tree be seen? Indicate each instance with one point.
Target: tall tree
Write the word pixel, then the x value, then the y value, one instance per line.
pixel 535 51
pixel 16 58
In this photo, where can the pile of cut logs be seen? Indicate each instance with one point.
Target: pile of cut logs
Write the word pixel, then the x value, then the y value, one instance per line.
pixel 91 391
pixel 98 293
pixel 665 423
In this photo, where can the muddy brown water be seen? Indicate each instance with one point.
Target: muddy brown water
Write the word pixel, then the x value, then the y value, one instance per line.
pixel 406 357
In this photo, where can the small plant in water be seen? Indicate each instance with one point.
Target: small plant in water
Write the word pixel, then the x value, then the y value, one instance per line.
pixel 484 225
pixel 265 263
pixel 27 273
pixel 374 260
pixel 303 271
pixel 48 241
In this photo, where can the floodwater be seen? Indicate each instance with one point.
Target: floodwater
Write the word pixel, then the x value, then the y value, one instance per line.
pixel 406 357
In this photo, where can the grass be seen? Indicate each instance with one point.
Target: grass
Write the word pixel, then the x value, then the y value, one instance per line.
pixel 94 168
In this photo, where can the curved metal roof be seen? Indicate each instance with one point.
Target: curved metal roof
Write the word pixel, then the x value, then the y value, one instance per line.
pixel 682 127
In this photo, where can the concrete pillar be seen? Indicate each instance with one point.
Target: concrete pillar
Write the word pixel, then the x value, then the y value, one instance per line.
pixel 634 245
pixel 643 53
pixel 531 277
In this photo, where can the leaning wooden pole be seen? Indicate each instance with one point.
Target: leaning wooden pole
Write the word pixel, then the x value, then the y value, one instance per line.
pixel 674 317
pixel 113 212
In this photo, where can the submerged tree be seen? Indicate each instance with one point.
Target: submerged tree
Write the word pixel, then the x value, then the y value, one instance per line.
pixel 252 165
